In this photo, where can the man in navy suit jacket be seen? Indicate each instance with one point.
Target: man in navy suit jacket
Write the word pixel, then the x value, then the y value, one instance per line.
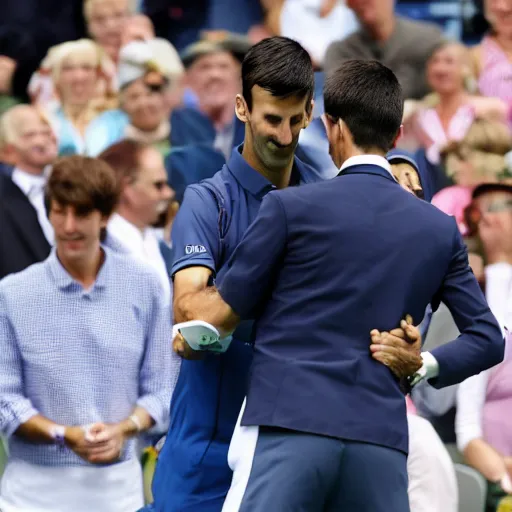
pixel 324 426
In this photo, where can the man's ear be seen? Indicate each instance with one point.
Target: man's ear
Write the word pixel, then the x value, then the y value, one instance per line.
pixel 8 154
pixel 309 114
pixel 104 221
pixel 399 136
pixel 341 129
pixel 241 109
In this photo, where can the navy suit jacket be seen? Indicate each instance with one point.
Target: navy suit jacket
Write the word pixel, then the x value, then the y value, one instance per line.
pixel 22 240
pixel 324 264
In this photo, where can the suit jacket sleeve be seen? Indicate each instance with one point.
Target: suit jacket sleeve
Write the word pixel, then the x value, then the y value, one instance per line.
pixel 255 262
pixel 480 344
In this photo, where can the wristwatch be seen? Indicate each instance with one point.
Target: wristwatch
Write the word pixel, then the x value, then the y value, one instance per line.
pixel 58 434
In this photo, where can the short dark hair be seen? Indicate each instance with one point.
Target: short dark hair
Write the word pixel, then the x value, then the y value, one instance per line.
pixel 279 65
pixel 85 183
pixel 367 96
pixel 123 157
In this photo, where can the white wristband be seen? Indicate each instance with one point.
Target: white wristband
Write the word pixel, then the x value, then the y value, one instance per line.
pixel 136 421
pixel 58 433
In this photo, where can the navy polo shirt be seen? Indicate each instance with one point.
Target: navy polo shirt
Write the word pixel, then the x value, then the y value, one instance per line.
pixel 195 233
pixel 209 393
pixel 208 396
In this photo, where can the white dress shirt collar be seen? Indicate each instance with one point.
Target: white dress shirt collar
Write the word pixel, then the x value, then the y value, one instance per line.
pixel 367 160
pixel 32 186
pixel 143 245
pixel 129 235
pixel 26 181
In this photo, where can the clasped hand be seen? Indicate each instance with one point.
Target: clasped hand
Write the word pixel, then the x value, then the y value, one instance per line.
pixel 399 349
pixel 99 443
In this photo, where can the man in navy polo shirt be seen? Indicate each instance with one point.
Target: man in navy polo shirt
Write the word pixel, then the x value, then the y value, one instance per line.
pixel 324 426
pixel 192 472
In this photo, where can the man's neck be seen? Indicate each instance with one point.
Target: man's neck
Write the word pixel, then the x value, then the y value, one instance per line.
pixel 84 271
pixel 360 152
pixel 498 257
pixel 280 178
pixel 382 31
pixel 30 169
pixel 130 217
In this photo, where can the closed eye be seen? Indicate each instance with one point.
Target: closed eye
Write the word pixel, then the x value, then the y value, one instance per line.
pixel 272 119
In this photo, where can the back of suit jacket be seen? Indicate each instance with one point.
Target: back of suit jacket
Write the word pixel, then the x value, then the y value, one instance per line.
pixel 22 241
pixel 359 253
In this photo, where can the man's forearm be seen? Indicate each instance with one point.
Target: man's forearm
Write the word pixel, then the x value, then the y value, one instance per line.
pixel 37 430
pixel 206 305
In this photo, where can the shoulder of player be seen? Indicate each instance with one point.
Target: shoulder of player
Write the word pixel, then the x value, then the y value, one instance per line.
pixel 290 194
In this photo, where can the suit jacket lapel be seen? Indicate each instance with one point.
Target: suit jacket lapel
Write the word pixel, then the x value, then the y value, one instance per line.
pixel 24 218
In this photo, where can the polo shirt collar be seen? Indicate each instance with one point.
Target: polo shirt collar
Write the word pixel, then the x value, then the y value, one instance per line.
pixel 250 179
pixel 64 280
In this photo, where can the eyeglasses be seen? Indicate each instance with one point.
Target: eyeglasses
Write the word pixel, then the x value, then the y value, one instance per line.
pixel 160 185
pixel 473 214
pixel 497 206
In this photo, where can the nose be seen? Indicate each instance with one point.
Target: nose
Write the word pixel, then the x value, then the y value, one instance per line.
pixel 285 135
pixel 79 74
pixel 70 221
pixel 112 23
pixel 167 192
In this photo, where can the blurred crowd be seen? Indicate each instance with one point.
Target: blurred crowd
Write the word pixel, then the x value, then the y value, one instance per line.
pixel 150 88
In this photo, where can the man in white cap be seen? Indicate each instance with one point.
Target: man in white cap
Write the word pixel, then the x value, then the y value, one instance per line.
pixel 149 76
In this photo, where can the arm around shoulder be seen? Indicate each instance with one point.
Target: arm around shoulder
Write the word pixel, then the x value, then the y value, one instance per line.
pixel 249 280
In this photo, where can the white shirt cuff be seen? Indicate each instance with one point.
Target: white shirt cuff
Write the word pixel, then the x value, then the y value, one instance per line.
pixel 428 370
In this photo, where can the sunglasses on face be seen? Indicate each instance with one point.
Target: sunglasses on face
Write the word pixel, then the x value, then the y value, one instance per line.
pixel 160 185
pixel 473 214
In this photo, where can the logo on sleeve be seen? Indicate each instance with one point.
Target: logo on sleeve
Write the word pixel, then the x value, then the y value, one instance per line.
pixel 195 249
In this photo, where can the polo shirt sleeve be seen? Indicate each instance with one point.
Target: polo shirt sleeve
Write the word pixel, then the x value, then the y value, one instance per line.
pixel 195 232
pixel 255 262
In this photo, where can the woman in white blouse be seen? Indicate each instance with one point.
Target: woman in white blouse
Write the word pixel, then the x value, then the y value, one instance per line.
pixel 484 402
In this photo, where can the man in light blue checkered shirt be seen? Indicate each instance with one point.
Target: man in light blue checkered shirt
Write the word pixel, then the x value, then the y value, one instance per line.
pixel 85 359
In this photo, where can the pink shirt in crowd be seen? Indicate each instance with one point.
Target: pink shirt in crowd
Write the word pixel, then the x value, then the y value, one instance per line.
pixel 430 124
pixel 453 201
pixel 496 71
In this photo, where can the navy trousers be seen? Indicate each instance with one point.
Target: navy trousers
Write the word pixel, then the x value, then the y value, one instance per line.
pixel 296 472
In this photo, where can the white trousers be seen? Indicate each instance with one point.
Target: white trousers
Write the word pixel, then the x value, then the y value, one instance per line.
pixel 29 488
pixel 432 479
